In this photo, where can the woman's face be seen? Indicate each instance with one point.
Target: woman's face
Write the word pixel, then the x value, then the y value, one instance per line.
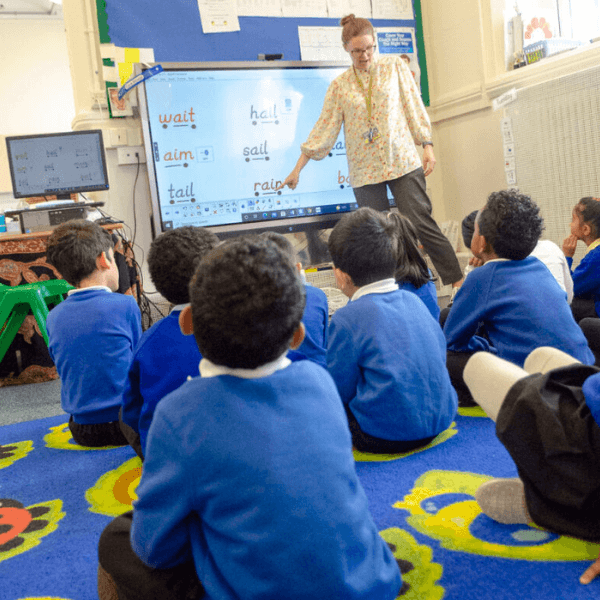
pixel 361 49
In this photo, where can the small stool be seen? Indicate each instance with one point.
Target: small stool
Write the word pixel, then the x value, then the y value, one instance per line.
pixel 17 301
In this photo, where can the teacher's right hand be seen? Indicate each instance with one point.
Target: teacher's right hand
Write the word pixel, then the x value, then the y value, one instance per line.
pixel 291 181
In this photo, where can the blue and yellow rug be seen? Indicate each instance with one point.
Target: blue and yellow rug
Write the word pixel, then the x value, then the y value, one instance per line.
pixel 56 497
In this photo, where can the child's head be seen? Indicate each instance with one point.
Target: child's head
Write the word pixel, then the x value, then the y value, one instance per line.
pixel 75 247
pixel 247 301
pixel 511 224
pixel 411 266
pixel 173 258
pixel 284 245
pixel 468 228
pixel 586 219
pixel 363 245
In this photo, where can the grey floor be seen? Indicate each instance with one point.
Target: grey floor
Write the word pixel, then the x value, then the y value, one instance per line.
pixel 20 403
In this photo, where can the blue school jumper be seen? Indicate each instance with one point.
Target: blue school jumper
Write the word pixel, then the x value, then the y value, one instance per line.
pixel 316 324
pixel 91 338
pixel 163 360
pixel 428 294
pixel 387 356
pixel 254 479
pixel 586 277
pixel 521 308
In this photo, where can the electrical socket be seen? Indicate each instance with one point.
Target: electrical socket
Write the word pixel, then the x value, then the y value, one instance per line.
pixel 127 155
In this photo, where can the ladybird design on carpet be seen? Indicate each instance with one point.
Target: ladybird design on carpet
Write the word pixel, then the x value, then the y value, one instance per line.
pixel 22 527
pixel 10 453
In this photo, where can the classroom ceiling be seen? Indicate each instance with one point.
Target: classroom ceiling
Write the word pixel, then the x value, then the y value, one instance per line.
pixel 30 9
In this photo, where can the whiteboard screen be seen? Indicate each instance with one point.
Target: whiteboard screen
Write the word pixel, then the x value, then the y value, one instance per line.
pixel 221 137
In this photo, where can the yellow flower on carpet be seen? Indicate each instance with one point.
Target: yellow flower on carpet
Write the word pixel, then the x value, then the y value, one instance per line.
pixel 21 528
pixel 419 574
pixel 442 506
pixel 439 439
pixel 114 493
pixel 10 453
pixel 60 438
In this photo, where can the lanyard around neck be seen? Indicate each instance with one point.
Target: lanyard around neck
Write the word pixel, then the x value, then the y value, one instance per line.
pixel 368 95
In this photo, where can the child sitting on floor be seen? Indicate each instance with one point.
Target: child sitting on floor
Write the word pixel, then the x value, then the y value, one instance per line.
pixel 548 417
pixel 413 274
pixel 512 299
pixel 585 227
pixel 316 312
pixel 92 334
pixel 165 357
pixel 387 354
pixel 249 488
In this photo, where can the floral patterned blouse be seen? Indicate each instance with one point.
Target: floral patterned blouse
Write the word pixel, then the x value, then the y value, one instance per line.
pixel 397 112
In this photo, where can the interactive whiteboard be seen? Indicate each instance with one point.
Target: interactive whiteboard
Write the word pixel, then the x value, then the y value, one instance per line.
pixel 220 138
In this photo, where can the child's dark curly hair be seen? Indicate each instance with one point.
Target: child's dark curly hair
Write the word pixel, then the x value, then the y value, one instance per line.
pixel 173 258
pixel 511 224
pixel 74 246
pixel 247 301
pixel 363 244
pixel 588 209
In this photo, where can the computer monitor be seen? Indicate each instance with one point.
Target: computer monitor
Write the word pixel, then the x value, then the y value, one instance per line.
pixel 57 164
pixel 220 137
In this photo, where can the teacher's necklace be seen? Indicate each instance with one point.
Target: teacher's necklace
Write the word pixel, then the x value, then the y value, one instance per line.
pixel 373 133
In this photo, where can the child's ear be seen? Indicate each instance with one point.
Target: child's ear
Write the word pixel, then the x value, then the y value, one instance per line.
pixel 586 229
pixel 298 336
pixel 103 262
pixel 185 321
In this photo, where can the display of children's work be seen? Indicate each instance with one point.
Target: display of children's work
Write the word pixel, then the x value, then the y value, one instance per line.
pixel 221 138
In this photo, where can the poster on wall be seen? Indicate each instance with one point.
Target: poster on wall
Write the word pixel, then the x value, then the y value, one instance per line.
pixel 324 43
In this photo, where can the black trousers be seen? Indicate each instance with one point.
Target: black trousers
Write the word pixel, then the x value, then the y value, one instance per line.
pixel 456 363
pixel 583 308
pixel 364 442
pixel 134 579
pixel 591 329
pixel 412 201
pixel 96 435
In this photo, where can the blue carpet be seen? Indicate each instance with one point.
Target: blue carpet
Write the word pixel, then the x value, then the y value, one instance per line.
pixel 57 497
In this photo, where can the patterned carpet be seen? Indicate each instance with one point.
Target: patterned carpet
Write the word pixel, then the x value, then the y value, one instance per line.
pixel 57 497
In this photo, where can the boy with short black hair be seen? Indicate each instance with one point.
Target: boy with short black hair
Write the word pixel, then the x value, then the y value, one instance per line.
pixel 316 312
pixel 92 334
pixel 249 487
pixel 387 353
pixel 164 358
pixel 512 297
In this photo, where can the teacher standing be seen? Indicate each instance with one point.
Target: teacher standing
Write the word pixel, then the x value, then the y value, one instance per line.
pixel 383 115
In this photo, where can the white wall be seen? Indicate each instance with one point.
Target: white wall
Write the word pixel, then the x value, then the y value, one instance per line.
pixel 464 43
pixel 36 94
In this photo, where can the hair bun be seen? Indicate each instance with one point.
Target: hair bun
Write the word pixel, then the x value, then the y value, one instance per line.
pixel 347 19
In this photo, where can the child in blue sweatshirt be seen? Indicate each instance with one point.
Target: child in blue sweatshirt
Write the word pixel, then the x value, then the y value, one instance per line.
pixel 249 488
pixel 387 353
pixel 316 311
pixel 511 304
pixel 164 358
pixel 92 334
pixel 585 227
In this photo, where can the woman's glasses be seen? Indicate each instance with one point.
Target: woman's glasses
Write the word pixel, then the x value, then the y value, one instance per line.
pixel 368 51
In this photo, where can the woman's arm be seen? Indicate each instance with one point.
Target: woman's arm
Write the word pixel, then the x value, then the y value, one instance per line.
pixel 292 179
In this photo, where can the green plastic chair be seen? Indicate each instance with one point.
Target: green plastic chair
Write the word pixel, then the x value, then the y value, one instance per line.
pixel 17 301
